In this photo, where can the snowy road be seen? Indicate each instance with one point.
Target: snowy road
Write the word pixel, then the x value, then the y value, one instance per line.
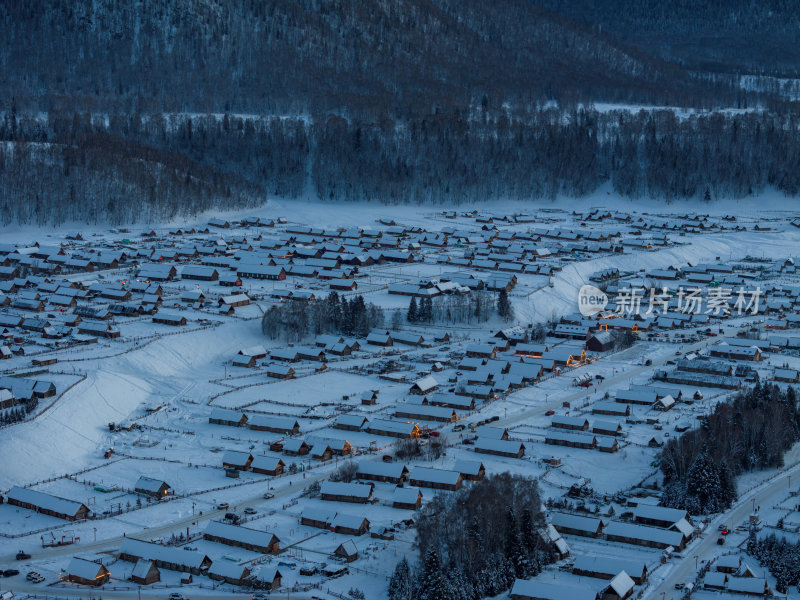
pixel 703 550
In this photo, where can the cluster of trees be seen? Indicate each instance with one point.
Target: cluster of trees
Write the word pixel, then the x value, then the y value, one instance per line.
pixel 294 321
pixel 623 338
pixel 476 542
pixel 476 307
pixel 13 415
pixel 422 313
pixel 750 432
pixel 780 556
pixel 504 307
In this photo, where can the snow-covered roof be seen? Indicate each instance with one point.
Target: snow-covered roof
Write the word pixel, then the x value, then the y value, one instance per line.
pixel 141 568
pixel 641 532
pixel 347 520
pixel 607 565
pixel 227 569
pixel 406 495
pixel 149 484
pixel 504 446
pixel 550 591
pixel 85 569
pixel 658 513
pixel 576 522
pixel 429 474
pixel 340 488
pixel 245 535
pixel 42 500
pixel 622 584
pixel 166 554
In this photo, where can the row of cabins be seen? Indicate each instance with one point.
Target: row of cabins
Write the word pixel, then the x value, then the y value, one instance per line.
pixel 652 526
pixel 196 563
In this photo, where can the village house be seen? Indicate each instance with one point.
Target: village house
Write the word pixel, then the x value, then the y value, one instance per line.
pixel 505 448
pixel 47 504
pixel 345 492
pixel 346 550
pixel 232 573
pixel 254 540
pixel 233 459
pixel 165 557
pixel 145 572
pixel 226 416
pixel 154 488
pixel 398 429
pixel 408 498
pixel 438 479
pixel 576 524
pixel 87 572
pixel 380 471
pixel 350 524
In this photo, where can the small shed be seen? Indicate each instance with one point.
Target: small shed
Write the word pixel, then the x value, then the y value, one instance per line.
pixel 347 550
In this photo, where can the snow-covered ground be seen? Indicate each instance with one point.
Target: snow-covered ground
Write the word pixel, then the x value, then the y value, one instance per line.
pixel 159 385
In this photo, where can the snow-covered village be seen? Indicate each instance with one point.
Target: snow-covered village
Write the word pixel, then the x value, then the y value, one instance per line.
pixel 399 300
pixel 379 403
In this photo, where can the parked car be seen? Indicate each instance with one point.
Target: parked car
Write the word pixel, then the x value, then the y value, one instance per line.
pixel 249 510
pixel 721 541
pixel 550 413
pixel 222 506
pixel 176 596
pixel 10 572
pixel 23 555
pixel 648 362
pixel 268 495
pixel 458 428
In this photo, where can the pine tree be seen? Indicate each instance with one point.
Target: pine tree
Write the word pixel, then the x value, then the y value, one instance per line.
pixel 412 310
pixel 504 307
pixel 433 584
pixel 400 584
pixel 707 195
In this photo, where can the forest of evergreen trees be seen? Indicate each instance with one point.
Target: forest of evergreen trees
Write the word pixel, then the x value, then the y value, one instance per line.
pixel 475 542
pixel 780 556
pixel 750 432
pixel 75 167
pixel 295 321
pixel 159 110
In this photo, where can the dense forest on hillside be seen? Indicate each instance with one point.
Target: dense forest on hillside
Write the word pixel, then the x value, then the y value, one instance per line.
pixel 750 432
pixel 758 36
pixel 72 167
pixel 157 110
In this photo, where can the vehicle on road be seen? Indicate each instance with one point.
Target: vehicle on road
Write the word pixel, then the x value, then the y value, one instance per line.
pixel 268 495
pixel 222 506
pixel 249 510
pixel 721 541
pixel 10 572
pixel 648 362
pixel 23 555
pixel 176 596
pixel 550 413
